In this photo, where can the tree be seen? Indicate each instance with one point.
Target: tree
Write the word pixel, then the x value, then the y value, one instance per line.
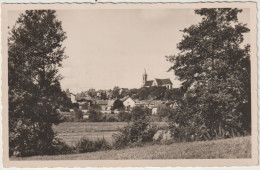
pixel 34 54
pixel 143 93
pixel 95 115
pixel 215 71
pixel 78 115
pixel 157 93
pixel 96 107
pixel 164 111
pixel 124 116
pixel 118 104
pixel 116 92
pixel 173 94
pixel 103 96
pixel 147 111
pixel 124 92
pixel 92 93
pixel 137 113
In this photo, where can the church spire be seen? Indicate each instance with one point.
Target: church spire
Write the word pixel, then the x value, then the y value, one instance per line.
pixel 144 77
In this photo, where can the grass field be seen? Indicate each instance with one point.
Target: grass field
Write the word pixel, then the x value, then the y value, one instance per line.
pixel 226 148
pixel 71 132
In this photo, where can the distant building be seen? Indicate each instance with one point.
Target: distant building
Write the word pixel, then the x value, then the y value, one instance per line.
pixel 102 104
pixel 174 105
pixel 154 111
pixel 71 96
pixel 128 102
pixel 84 101
pixel 110 104
pixel 156 82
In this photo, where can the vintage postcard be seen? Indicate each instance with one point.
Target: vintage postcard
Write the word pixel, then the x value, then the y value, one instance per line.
pixel 129 84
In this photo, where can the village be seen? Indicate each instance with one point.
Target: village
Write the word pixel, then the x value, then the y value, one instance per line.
pixel 118 84
pixel 106 99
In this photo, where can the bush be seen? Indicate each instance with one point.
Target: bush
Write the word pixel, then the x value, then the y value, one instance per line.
pixel 60 147
pixel 78 115
pixel 124 116
pixel 147 111
pixel 86 145
pixel 96 107
pixel 137 113
pixel 75 105
pixel 138 132
pixel 111 119
pixel 165 111
pixel 64 109
pixel 188 124
pixel 95 116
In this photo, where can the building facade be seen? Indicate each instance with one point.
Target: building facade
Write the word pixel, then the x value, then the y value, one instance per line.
pixel 156 82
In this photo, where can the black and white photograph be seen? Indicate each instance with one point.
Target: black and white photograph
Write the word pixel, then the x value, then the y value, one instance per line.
pixel 173 82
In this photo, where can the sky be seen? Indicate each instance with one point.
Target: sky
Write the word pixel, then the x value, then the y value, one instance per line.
pixel 112 47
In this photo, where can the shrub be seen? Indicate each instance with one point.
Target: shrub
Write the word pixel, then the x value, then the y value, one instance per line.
pixel 86 145
pixel 185 126
pixel 124 116
pixel 78 115
pixel 96 107
pixel 95 116
pixel 137 113
pixel 111 119
pixel 164 111
pixel 138 132
pixel 60 147
pixel 64 109
pixel 75 105
pixel 147 111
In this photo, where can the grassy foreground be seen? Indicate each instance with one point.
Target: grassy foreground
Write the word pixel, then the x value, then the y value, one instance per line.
pixel 239 147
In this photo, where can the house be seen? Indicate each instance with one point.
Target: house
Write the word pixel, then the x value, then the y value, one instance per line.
pixel 84 101
pixel 71 96
pixel 154 111
pixel 128 102
pixel 142 103
pixel 85 116
pixel 174 105
pixel 102 104
pixel 156 82
pixel 154 105
pixel 110 104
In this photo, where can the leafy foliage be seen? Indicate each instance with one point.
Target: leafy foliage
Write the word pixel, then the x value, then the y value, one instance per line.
pixel 215 71
pixel 86 145
pixel 124 116
pixel 118 104
pixel 34 53
pixel 138 132
pixel 164 111
pixel 78 115
pixel 137 113
pixel 116 92
pixel 95 115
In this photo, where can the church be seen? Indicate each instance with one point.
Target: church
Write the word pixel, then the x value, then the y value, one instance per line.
pixel 156 82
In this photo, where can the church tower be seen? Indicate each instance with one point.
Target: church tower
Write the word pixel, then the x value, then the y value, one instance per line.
pixel 144 77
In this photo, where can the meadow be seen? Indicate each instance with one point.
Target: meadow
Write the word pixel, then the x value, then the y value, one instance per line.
pixel 239 147
pixel 71 132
